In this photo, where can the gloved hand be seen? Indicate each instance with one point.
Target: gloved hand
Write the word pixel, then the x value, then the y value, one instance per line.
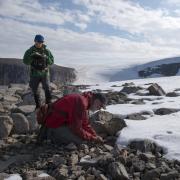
pixel 99 139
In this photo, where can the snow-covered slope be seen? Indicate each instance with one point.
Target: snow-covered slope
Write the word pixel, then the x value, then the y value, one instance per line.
pixel 164 130
pixel 125 70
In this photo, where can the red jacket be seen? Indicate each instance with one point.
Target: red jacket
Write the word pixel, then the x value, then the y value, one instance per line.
pixel 72 111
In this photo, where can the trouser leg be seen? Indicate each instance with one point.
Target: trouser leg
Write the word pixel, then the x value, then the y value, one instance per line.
pixel 45 84
pixel 63 135
pixel 34 83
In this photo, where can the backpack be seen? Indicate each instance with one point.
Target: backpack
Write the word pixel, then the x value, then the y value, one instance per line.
pixel 45 110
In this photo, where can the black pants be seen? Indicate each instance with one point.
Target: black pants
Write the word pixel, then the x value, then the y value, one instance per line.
pixel 34 84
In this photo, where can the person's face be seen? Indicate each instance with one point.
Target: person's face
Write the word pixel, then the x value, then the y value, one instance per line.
pixel 38 44
pixel 96 105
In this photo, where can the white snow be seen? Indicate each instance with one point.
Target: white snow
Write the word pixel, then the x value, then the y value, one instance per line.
pixel 164 130
pixel 119 70
pixel 14 177
pixel 43 175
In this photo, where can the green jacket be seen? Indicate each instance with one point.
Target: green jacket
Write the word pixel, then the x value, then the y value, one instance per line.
pixel 27 59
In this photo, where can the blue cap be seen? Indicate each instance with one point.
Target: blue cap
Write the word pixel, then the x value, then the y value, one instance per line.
pixel 39 38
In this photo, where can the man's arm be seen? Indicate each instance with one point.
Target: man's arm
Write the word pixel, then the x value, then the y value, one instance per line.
pixel 50 58
pixel 79 122
pixel 27 59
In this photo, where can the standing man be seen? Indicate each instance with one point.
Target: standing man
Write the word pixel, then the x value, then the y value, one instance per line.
pixel 39 58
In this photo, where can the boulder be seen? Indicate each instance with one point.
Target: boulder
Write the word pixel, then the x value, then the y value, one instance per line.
pixel 130 89
pixel 33 125
pixel 26 109
pixel 11 99
pixel 136 116
pixel 172 94
pixel 145 145
pixel 6 125
pixel 164 111
pixel 21 124
pixel 2 110
pixel 118 171
pixel 152 174
pixel 106 124
pixel 61 172
pixel 27 99
pixel 156 90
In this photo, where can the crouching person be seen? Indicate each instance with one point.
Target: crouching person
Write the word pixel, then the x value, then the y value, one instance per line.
pixel 67 119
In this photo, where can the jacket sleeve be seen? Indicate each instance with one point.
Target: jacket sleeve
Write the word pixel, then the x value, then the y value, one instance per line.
pixel 86 126
pixel 80 123
pixel 27 57
pixel 50 58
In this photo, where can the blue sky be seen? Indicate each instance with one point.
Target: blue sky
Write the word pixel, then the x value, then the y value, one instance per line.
pixel 92 31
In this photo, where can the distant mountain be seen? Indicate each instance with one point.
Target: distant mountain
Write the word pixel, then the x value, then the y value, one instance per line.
pixel 14 71
pixel 158 68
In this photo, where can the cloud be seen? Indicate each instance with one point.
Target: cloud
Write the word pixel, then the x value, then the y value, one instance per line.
pixel 157 31
pixel 35 12
pixel 71 48
pixel 155 26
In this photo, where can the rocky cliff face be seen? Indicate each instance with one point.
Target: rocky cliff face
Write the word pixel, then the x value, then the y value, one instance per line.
pixel 164 67
pixel 14 71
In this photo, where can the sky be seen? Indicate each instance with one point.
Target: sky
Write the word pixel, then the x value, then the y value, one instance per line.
pixel 96 32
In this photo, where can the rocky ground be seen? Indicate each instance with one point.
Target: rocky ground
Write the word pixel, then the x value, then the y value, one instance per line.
pixel 20 154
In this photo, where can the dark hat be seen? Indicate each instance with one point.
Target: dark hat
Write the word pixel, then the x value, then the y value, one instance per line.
pixel 100 97
pixel 39 38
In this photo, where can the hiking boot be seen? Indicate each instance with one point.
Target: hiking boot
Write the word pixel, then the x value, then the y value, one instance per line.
pixel 42 135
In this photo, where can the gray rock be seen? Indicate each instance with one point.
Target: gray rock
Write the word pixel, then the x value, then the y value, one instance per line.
pixel 164 111
pixel 33 125
pixel 73 159
pixel 130 89
pixel 26 109
pixel 21 86
pixel 128 84
pixel 71 147
pixel 105 124
pixel 87 161
pixel 58 160
pixel 21 124
pixel 147 157
pixel 136 116
pixel 27 99
pixel 138 101
pixel 169 176
pixel 172 94
pixel 138 165
pixel 11 99
pixel 118 171
pixel 81 178
pixel 2 110
pixel 6 125
pixel 61 172
pixel 152 174
pixel 156 90
pixel 145 146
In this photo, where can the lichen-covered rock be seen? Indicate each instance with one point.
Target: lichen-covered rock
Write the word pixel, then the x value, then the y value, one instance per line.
pixel 106 124
pixel 6 125
pixel 21 124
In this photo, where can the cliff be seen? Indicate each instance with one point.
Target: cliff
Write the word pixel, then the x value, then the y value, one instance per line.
pixel 14 71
